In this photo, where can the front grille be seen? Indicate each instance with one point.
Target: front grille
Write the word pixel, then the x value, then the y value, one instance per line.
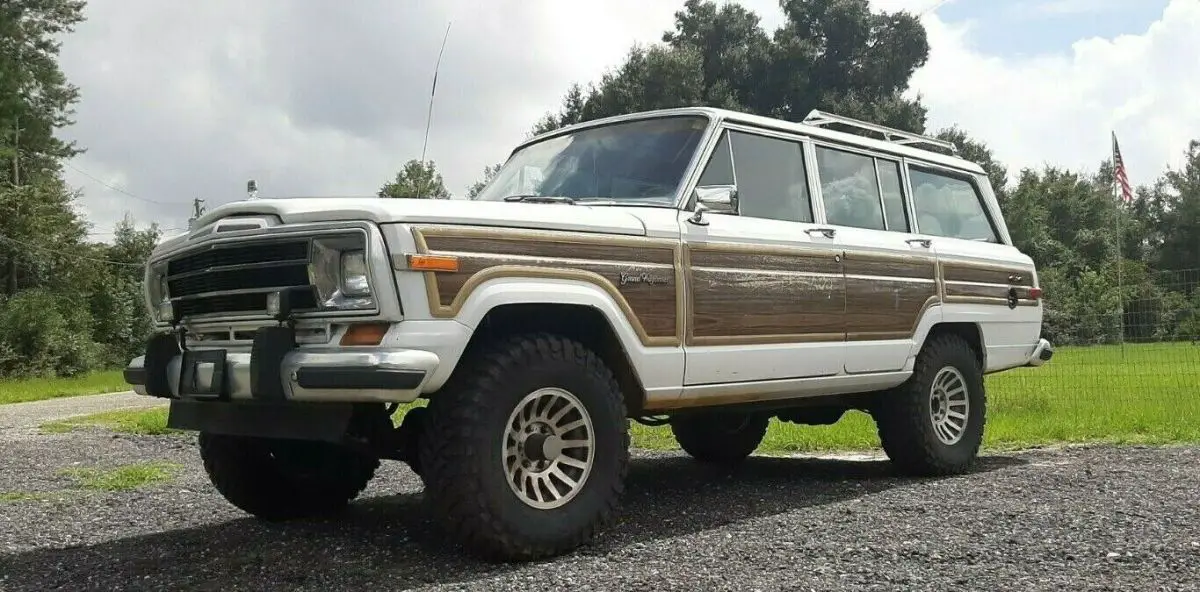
pixel 236 278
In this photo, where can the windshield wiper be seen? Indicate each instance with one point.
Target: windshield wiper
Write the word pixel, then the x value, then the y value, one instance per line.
pixel 530 198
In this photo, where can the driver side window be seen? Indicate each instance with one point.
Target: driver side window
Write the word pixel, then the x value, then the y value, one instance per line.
pixel 768 172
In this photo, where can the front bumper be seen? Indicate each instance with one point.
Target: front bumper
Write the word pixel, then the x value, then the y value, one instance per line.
pixel 1042 352
pixel 368 375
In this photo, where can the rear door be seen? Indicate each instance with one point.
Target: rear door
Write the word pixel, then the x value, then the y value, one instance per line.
pixel 891 273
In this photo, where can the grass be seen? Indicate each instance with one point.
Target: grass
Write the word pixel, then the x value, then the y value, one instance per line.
pixel 1136 394
pixel 149 422
pixel 123 478
pixel 40 389
pixel 21 496
pixel 116 479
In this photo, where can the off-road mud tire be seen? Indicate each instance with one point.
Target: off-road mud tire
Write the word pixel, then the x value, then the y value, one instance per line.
pixel 278 480
pixel 462 448
pixel 719 438
pixel 902 415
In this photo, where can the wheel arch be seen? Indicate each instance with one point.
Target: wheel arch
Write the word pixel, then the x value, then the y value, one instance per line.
pixel 971 332
pixel 574 309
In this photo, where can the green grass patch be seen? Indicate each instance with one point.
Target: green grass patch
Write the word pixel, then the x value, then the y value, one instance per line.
pixel 20 496
pixel 1136 394
pixel 40 389
pixel 123 478
pixel 147 422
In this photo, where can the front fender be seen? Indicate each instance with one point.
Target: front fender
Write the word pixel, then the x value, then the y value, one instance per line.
pixel 658 366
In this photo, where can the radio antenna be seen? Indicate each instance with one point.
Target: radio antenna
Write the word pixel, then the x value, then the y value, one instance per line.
pixel 432 93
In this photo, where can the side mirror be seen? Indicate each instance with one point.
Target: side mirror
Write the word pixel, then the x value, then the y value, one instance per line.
pixel 719 199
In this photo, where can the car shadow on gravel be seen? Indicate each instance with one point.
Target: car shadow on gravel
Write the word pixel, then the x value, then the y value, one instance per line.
pixel 389 540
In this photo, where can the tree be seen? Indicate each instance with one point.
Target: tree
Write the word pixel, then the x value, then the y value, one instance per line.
pixel 977 152
pixel 834 55
pixel 36 99
pixel 489 173
pixel 416 180
pixel 1180 220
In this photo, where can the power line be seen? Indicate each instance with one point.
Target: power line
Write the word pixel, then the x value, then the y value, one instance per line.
pixel 935 6
pixel 114 188
pixel 68 255
pixel 112 232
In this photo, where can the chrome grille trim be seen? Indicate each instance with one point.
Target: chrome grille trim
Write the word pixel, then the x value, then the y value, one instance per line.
pixel 203 239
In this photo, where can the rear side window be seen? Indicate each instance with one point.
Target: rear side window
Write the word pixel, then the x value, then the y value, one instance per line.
pixel 949 206
pixel 849 189
pixel 861 191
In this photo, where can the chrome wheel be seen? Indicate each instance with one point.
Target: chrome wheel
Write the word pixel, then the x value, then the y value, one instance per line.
pixel 949 405
pixel 548 448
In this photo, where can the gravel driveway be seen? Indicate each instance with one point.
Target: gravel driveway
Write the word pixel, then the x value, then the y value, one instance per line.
pixel 1078 519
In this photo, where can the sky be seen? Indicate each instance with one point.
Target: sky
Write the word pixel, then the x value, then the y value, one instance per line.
pixel 191 100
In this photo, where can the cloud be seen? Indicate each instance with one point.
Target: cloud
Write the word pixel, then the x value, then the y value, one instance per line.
pixel 1069 7
pixel 191 100
pixel 183 101
pixel 1061 108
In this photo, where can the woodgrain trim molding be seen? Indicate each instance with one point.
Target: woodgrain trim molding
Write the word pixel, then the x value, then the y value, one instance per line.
pixel 635 252
pixel 724 293
pixel 738 264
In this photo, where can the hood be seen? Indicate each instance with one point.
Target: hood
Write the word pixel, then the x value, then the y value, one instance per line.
pixel 601 219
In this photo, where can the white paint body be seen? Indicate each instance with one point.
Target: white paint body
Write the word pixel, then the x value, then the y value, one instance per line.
pixel 1009 336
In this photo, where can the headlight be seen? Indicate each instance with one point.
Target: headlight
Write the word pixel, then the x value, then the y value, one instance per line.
pixel 354 274
pixel 339 272
pixel 158 298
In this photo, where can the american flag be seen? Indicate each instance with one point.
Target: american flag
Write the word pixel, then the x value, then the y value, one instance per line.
pixel 1119 172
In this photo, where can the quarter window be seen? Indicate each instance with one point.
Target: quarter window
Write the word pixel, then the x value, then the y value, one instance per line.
pixel 949 206
pixel 861 191
pixel 893 195
pixel 769 174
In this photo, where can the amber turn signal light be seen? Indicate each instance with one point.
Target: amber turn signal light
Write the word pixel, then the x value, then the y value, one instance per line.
pixel 432 263
pixel 364 334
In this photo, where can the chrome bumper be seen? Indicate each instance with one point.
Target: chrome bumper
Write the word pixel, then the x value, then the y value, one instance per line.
pixel 368 376
pixel 1042 352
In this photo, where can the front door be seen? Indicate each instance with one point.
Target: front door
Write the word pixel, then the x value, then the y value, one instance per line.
pixel 766 291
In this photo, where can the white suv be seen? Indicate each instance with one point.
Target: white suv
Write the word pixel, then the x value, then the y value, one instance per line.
pixel 696 267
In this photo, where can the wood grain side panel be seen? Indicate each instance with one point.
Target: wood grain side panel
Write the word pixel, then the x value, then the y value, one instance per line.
pixel 986 294
pixel 640 275
pixel 986 274
pixel 565 247
pixel 654 304
pixel 900 267
pixel 799 261
pixel 886 309
pixel 746 306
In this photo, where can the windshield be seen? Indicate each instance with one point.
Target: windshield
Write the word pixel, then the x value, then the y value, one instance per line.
pixel 636 162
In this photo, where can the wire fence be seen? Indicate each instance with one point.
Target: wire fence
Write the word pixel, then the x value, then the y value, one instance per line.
pixel 1126 369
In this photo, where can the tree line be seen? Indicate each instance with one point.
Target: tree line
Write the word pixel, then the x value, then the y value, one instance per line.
pixel 70 303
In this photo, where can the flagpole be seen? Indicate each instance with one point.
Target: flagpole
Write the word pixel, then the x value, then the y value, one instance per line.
pixel 1117 194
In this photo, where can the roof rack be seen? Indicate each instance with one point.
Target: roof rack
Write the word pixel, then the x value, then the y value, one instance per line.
pixel 820 119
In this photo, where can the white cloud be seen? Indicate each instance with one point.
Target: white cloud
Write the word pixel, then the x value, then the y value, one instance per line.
pixel 1068 7
pixel 183 101
pixel 1061 108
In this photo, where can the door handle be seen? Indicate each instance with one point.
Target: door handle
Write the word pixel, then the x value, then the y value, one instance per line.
pixel 924 242
pixel 827 232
